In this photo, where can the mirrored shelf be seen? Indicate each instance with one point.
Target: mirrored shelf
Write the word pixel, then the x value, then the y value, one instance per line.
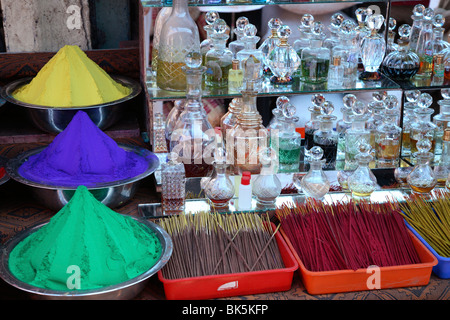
pixel 422 84
pixel 269 89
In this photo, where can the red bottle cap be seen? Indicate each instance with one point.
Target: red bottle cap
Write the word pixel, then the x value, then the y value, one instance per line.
pixel 245 180
pixel 246 173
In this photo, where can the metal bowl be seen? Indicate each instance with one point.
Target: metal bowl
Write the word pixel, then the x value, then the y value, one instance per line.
pixel 111 194
pixel 3 162
pixel 122 291
pixel 56 119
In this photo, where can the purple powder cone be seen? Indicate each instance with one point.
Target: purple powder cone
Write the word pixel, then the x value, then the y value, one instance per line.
pixel 82 155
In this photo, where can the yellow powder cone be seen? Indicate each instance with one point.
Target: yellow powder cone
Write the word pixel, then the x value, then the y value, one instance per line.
pixel 71 79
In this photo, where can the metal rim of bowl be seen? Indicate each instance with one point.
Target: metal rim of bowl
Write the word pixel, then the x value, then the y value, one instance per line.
pixel 13 165
pixel 8 277
pixel 8 90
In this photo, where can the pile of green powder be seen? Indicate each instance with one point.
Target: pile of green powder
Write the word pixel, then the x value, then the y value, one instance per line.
pixel 88 239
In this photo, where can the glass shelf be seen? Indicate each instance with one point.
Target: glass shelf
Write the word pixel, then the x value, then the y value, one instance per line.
pixel 269 89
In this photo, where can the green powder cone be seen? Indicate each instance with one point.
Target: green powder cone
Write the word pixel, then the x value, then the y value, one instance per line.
pixel 106 247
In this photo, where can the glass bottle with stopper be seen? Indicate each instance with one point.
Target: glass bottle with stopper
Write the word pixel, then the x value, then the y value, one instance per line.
pixel 207 44
pixel 442 168
pixel 410 105
pixel 417 18
pixel 219 189
pixel 250 40
pixel 237 45
pixel 333 39
pixel 425 36
pixel 283 61
pixel 315 59
pixel 229 119
pixel 179 36
pixel 325 137
pixel 249 134
pixel 356 135
pixel 314 123
pixel 172 118
pixel 372 49
pixel 376 108
pixel 267 186
pixel 391 45
pixel 218 60
pixel 361 29
pixel 345 123
pixel 193 134
pixel 159 134
pixel 160 20
pixel 306 23
pixel 362 182
pixel 441 120
pixel 422 178
pixel 315 184
pixel 403 63
pixel 348 52
pixel 270 43
pixel 423 127
pixel 286 140
pixel 275 123
pixel 173 185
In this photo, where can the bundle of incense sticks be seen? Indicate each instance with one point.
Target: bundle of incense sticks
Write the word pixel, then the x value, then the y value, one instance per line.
pixel 346 235
pixel 430 218
pixel 207 243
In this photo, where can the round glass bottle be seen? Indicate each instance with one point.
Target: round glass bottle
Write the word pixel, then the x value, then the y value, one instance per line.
pixel 267 186
pixel 315 184
pixel 179 36
pixel 387 141
pixel 362 182
pixel 422 178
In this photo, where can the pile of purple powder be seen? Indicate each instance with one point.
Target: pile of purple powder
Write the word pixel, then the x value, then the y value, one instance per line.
pixel 82 155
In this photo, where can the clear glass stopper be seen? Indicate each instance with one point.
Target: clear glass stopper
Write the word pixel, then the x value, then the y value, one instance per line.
pixel 375 21
pixel 211 16
pixel 241 22
pixel 359 108
pixel 392 24
pixel 349 100
pixel 317 99
pixel 379 95
pixel 361 14
pixel 327 108
pixel 391 102
pixel 274 23
pixel 250 30
pixel 445 93
pixel 284 31
pixel 307 20
pixel 428 14
pixel 423 145
pixel 315 153
pixel 193 59
pixel 425 100
pixel 336 20
pixel 412 95
pixel 418 10
pixel 438 20
pixel 281 101
pixel 404 31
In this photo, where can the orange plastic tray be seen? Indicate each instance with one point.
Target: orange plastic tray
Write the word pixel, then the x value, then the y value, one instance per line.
pixel 325 282
pixel 234 284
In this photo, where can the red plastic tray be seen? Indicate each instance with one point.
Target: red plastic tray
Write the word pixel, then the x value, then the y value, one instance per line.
pixel 325 282
pixel 234 284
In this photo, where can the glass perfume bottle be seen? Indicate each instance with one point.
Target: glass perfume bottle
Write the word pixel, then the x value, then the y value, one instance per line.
pixel 391 45
pixel 333 39
pixel 159 134
pixel 250 40
pixel 442 168
pixel 417 18
pixel 422 178
pixel 336 73
pixel 362 182
pixel 267 186
pixel 373 49
pixel 387 141
pixel 404 63
pixel 348 51
pixel 218 60
pixel 277 112
pixel 425 36
pixel 410 105
pixel 438 43
pixel 219 189
pixel 270 43
pixel 344 124
pixel 376 109
pixel 286 140
pixel 283 60
pixel 193 135
pixel 441 120
pixel 313 124
pixel 160 20
pixel 179 36
pixel 237 45
pixel 325 137
pixel 361 29
pixel 315 59
pixel 207 44
pixel 306 23
pixel 438 70
pixel 235 77
pixel 356 135
pixel 249 134
pixel 230 119
pixel 423 127
pixel 315 183
pixel 173 185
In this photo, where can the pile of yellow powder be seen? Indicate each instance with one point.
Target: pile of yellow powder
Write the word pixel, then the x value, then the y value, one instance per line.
pixel 71 79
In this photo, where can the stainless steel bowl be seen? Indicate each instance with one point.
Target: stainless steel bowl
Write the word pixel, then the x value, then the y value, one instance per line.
pixel 56 119
pixel 122 291
pixel 112 194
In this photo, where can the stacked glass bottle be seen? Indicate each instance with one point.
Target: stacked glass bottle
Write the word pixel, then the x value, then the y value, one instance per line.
pixel 362 182
pixel 306 23
pixel 387 140
pixel 333 39
pixel 408 118
pixel 425 37
pixel 325 137
pixel 207 44
pixel 422 178
pixel 417 18
pixel 344 124
pixel 356 135
pixel 267 186
pixel 348 52
pixel 314 123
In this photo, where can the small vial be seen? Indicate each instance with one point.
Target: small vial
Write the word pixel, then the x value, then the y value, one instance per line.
pixel 336 73
pixel 438 69
pixel 235 77
pixel 245 193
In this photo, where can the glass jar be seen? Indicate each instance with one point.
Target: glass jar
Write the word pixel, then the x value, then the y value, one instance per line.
pixel 314 123
pixel 179 36
pixel 404 63
pixel 315 184
pixel 387 141
pixel 422 178
pixel 270 43
pixel 173 186
pixel 267 186
pixel 315 59
pixel 362 182
pixel 193 136
pixel 417 18
pixel 325 137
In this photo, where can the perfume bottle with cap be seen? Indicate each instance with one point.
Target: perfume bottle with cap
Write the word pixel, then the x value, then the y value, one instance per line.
pixel 373 49
pixel 348 52
pixel 387 139
pixel 159 134
pixel 230 118
pixel 325 137
pixel 345 123
pixel 423 127
pixel 333 39
pixel 270 43
pixel 417 18
pixel 207 44
pixel 410 105
pixel 313 124
pixel 362 182
pixel 362 30
pixel 391 45
pixel 336 73
pixel 306 23
pixel 356 135
pixel 425 36
pixel 237 45
pixel 235 77
pixel 441 120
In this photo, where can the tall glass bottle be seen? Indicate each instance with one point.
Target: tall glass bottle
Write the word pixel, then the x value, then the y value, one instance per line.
pixel 417 18
pixel 356 135
pixel 315 183
pixel 441 121
pixel 179 36
pixel 172 118
pixel 207 44
pixel 361 29
pixel 373 49
pixel 387 141
pixel 315 59
pixel 313 124
pixel 249 134
pixel 362 182
pixel 230 119
pixel 306 23
pixel 344 124
pixel 283 60
pixel 422 178
pixel 442 168
pixel 219 59
pixel 237 45
pixel 160 20
pixel 173 185
pixel 376 109
pixel 270 43
pixel 193 135
pixel 391 45
pixel 408 117
pixel 333 39
pixel 159 134
pixel 425 36
pixel 348 52
pixel 325 137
